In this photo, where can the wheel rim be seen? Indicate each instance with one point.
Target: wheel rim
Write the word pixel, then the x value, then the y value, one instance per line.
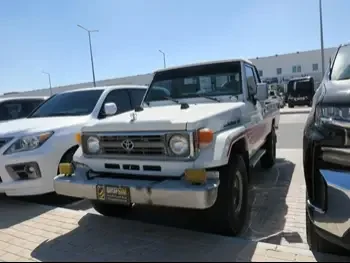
pixel 238 197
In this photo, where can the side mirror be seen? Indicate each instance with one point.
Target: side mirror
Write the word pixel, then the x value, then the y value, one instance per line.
pixel 262 92
pixel 110 108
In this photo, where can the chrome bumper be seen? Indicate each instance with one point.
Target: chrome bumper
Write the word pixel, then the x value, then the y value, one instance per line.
pixel 336 220
pixel 170 193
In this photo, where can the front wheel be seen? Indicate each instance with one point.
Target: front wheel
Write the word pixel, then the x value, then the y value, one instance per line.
pixel 229 212
pixel 318 243
pixel 112 210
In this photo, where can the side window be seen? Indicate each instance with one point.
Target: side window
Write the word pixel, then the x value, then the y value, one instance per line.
pixel 28 106
pixel 120 98
pixel 250 78
pixel 136 96
pixel 11 110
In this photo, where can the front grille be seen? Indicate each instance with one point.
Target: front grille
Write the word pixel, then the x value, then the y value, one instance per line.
pixel 3 141
pixel 134 145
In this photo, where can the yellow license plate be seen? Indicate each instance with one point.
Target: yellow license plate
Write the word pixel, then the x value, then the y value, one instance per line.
pixel 117 194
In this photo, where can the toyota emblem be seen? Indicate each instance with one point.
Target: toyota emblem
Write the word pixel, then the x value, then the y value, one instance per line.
pixel 127 145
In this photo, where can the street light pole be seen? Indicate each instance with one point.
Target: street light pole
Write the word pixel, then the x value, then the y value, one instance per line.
pixel 91 56
pixel 321 36
pixel 163 58
pixel 49 76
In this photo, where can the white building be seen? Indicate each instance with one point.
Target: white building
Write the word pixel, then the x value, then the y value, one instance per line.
pixel 278 68
pixel 281 68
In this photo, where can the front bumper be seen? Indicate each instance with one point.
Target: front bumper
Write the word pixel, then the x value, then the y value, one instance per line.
pixel 336 219
pixel 168 192
pixel 327 176
pixel 45 163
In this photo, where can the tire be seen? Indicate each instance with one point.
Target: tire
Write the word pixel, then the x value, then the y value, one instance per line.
pixel 290 105
pixel 319 244
pixel 111 210
pixel 269 158
pixel 229 213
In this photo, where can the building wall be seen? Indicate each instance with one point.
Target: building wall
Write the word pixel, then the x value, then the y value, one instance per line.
pixel 301 61
pixel 284 67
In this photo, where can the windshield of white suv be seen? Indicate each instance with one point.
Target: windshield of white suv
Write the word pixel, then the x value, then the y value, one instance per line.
pixel 204 80
pixel 341 67
pixel 75 103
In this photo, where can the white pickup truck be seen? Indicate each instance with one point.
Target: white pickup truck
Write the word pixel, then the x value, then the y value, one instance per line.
pixel 191 144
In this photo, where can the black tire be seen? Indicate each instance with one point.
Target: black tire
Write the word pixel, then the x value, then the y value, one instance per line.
pixel 319 244
pixel 290 105
pixel 229 213
pixel 269 158
pixel 111 210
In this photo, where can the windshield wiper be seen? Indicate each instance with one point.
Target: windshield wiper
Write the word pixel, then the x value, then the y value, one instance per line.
pixel 207 97
pixel 63 114
pixel 170 98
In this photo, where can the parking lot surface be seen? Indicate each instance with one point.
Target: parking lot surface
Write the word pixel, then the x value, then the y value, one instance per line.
pixel 32 232
pixel 274 232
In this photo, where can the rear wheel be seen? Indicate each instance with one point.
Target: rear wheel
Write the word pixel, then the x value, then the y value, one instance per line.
pixel 269 158
pixel 229 212
pixel 112 210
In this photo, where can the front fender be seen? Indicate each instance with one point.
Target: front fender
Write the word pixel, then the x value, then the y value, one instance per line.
pixel 218 153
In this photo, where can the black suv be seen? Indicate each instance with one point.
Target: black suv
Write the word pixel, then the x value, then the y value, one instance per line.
pixel 300 91
pixel 326 159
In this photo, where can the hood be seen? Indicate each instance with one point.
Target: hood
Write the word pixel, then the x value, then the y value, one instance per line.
pixel 33 125
pixel 337 92
pixel 170 117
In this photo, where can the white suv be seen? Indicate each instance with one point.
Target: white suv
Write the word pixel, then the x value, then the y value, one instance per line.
pixel 32 148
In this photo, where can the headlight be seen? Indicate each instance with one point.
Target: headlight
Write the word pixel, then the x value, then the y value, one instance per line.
pixel 179 145
pixel 331 114
pixel 28 143
pixel 93 144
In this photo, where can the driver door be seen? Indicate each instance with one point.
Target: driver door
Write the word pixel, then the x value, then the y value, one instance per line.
pixel 254 112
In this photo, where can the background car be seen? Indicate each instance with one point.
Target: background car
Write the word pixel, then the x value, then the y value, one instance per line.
pixel 17 107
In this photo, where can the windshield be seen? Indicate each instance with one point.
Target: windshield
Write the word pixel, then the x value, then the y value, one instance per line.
pixel 341 67
pixel 75 103
pixel 207 80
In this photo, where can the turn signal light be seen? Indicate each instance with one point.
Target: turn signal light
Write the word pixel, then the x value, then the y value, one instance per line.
pixel 205 136
pixel 78 138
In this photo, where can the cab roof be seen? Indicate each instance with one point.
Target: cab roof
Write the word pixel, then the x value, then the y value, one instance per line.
pixel 205 63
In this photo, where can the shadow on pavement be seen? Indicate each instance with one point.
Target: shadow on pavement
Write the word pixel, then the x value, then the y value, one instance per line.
pixel 98 238
pixel 268 204
pixel 268 191
pixel 14 212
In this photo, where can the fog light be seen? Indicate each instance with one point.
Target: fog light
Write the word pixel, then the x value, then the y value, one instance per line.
pixel 66 169
pixel 31 172
pixel 196 176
